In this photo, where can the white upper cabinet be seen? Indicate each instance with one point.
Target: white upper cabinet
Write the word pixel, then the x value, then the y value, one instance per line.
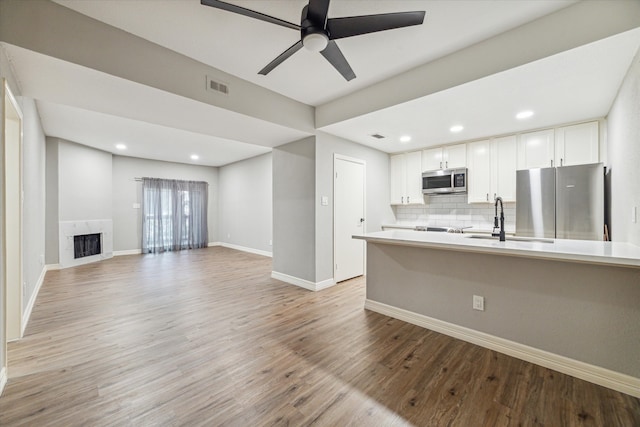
pixel 406 179
pixel 536 150
pixel 568 145
pixel 577 144
pixel 397 179
pixel 450 157
pixel 492 170
pixel 504 154
pixel 479 178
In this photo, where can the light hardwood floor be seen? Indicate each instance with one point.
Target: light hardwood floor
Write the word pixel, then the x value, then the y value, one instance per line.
pixel 206 337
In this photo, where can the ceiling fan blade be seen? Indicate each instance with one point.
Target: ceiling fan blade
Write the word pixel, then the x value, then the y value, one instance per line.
pixel 339 28
pixel 281 58
pixel 250 13
pixel 317 12
pixel 333 54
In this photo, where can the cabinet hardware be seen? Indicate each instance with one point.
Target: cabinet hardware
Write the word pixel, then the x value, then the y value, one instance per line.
pixel 361 219
pixel 561 161
pixel 440 165
pixel 402 199
pixel 494 196
pixel 446 164
pixel 487 197
pixel 551 162
pixel 408 200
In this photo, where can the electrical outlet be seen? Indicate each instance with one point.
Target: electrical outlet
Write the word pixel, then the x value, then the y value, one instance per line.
pixel 270 242
pixel 478 303
pixel 228 235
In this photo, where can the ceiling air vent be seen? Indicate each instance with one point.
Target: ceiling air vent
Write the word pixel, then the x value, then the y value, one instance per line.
pixel 217 86
pixel 377 136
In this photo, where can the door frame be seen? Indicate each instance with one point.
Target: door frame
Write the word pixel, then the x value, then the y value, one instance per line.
pixel 16 292
pixel 339 157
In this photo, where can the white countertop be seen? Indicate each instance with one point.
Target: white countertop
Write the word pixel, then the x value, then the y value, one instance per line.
pixel 587 251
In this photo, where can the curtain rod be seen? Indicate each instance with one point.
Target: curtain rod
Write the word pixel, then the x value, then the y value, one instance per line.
pixel 140 179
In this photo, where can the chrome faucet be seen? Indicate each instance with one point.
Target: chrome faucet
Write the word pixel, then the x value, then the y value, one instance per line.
pixel 495 221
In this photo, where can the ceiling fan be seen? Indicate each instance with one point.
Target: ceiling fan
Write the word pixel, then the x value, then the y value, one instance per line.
pixel 317 32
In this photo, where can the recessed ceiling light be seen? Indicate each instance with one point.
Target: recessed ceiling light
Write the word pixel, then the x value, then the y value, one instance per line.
pixel 456 128
pixel 405 138
pixel 194 157
pixel 121 146
pixel 524 114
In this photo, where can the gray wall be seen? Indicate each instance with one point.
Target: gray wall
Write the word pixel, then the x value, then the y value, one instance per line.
pixel 585 312
pixel 623 128
pixel 52 255
pixel 33 217
pixel 84 182
pixel 33 173
pixel 245 203
pixel 127 233
pixel 378 210
pixel 294 182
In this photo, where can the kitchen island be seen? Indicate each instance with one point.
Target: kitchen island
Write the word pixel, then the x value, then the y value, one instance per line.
pixel 572 306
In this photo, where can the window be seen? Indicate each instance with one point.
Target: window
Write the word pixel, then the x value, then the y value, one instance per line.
pixel 174 215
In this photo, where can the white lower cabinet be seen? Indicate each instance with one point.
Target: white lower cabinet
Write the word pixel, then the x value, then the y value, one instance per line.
pixel 406 179
pixel 492 170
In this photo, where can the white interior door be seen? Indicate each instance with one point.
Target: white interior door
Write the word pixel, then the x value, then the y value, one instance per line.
pixel 348 217
pixel 12 216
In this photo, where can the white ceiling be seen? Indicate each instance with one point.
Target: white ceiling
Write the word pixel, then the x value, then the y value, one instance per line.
pixel 100 110
pixel 574 85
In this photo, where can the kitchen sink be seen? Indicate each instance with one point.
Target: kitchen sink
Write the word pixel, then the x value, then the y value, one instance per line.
pixel 513 238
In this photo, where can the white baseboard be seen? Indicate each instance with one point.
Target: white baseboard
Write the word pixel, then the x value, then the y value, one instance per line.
pixel 3 379
pixel 127 252
pixel 585 371
pixel 245 249
pixel 26 314
pixel 51 267
pixel 214 244
pixel 306 284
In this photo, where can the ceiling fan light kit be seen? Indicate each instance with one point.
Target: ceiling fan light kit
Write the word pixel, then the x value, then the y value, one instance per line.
pixel 318 32
pixel 315 42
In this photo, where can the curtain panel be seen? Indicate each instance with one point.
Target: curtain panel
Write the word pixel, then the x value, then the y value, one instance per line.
pixel 174 215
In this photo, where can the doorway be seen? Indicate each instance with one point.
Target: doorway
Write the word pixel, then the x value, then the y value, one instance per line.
pixel 12 215
pixel 348 217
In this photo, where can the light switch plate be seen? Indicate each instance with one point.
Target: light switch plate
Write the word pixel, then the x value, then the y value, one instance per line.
pixel 478 303
pixel 324 200
pixel 136 206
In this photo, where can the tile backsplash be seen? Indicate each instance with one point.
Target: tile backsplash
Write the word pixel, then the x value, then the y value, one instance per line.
pixel 454 211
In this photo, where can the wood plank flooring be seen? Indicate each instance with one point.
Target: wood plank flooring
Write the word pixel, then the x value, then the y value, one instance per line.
pixel 207 338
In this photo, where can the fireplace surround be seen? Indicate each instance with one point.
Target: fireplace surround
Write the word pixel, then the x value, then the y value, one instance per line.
pixel 92 239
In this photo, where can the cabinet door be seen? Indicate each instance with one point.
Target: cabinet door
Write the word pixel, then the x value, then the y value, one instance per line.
pixel 479 178
pixel 432 159
pixel 577 144
pixel 504 166
pixel 455 156
pixel 536 150
pixel 413 194
pixel 397 179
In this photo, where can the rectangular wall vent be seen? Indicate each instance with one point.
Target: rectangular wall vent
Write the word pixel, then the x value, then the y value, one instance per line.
pixel 217 86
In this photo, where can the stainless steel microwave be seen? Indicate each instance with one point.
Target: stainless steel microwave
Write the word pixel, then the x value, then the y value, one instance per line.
pixel 444 181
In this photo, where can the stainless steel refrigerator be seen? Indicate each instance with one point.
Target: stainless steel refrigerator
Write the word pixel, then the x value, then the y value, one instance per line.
pixel 565 202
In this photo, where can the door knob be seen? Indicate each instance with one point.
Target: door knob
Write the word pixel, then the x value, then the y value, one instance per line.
pixel 361 219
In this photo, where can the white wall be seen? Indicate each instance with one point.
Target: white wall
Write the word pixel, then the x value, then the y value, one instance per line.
pixel 378 210
pixel 245 203
pixel 127 220
pixel 624 157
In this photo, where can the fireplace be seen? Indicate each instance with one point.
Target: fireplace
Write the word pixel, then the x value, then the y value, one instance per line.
pixel 82 242
pixel 87 245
